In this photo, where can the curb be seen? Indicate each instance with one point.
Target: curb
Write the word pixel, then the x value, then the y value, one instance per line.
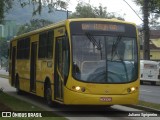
pixel 4 76
pixel 147 109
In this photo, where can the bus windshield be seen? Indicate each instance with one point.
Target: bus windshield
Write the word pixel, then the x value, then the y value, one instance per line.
pixel 104 58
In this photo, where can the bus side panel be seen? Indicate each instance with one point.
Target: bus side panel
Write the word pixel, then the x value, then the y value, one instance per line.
pixel 23 72
pixel 44 68
pixel 44 73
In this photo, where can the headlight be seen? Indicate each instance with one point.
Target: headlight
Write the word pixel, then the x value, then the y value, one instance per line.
pixel 79 89
pixel 133 89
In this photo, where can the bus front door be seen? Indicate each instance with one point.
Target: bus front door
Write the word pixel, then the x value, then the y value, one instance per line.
pixel 58 83
pixel 33 67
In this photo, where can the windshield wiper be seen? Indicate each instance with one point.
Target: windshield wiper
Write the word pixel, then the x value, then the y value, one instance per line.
pixel 114 47
pixel 95 42
pixel 119 54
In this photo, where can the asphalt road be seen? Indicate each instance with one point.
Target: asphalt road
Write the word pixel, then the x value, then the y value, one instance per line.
pixel 150 93
pixel 3 71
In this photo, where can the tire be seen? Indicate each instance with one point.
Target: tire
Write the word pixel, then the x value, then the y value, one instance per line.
pixel 19 92
pixel 48 95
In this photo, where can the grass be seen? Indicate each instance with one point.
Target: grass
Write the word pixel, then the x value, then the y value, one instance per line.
pixel 16 104
pixel 150 105
pixel 9 103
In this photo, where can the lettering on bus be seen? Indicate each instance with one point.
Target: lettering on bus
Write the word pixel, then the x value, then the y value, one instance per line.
pixel 103 27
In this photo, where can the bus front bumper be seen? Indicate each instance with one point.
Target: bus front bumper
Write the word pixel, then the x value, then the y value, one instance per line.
pixel 76 98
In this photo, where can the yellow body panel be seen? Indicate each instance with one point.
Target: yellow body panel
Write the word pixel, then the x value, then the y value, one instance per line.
pixel 118 92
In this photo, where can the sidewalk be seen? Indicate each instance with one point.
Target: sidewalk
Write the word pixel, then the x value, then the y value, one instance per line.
pixel 3 72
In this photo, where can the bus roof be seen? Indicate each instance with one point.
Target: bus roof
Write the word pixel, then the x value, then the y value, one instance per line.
pixel 61 23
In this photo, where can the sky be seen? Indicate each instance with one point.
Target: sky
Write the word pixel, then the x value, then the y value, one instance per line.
pixel 119 7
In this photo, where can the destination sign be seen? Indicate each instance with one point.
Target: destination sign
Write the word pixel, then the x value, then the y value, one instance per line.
pixel 103 27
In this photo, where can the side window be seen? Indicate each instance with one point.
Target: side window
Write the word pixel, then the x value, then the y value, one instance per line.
pixel 46 44
pixel 50 44
pixel 42 45
pixel 23 48
pixel 26 48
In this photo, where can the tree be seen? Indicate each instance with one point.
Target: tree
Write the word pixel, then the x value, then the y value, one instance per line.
pixel 154 5
pixel 3 48
pixel 6 5
pixel 85 10
pixel 153 8
pixel 33 25
pixel 39 4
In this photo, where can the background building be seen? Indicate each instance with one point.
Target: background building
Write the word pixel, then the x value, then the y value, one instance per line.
pixel 8 29
pixel 1 30
pixel 154 45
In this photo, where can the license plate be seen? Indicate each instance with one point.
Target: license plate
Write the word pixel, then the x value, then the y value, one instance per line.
pixel 105 99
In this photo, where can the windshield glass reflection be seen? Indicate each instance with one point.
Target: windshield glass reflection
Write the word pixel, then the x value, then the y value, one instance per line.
pixel 104 59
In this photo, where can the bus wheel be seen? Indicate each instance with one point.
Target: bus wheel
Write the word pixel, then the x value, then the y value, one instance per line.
pixel 19 92
pixel 48 95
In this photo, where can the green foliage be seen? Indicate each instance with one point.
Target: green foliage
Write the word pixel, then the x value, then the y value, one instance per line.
pixel 39 4
pixel 24 107
pixel 33 25
pixel 1 10
pixel 85 10
pixel 154 5
pixel 154 10
pixel 5 6
pixel 150 105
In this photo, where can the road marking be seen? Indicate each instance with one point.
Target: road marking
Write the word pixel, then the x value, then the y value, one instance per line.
pixel 145 90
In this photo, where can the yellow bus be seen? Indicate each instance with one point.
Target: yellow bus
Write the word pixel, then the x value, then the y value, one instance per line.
pixel 87 61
